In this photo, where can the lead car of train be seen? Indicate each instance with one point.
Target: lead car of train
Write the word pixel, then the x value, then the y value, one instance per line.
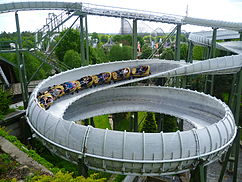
pixel 54 92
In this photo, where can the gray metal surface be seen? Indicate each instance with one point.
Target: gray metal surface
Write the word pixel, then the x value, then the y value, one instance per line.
pixel 117 12
pixel 136 153
pixel 205 39
pixel 4 77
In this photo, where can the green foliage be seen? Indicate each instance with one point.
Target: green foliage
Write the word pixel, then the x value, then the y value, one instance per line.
pixel 31 65
pixel 184 51
pixel 118 53
pixel 98 175
pixel 149 125
pixel 167 54
pixel 198 52
pixel 119 178
pixel 20 107
pixel 94 36
pixel 146 52
pixel 170 123
pixel 103 38
pixel 23 148
pixel 55 161
pixel 61 177
pixel 102 122
pixel 6 164
pixel 125 40
pixel 71 41
pixel 72 59
pixel 97 55
pixel 5 99
pixel 121 121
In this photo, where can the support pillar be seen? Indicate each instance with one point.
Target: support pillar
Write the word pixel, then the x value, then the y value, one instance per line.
pixel 21 64
pixel 178 43
pixel 83 169
pixel 190 52
pixel 83 62
pixel 240 36
pixel 134 39
pixel 92 122
pixel 210 78
pixel 199 173
pixel 160 122
pixel 232 155
pixel 136 121
pixel 87 42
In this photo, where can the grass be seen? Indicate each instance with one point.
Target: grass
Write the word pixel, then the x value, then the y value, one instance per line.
pixel 102 122
pixel 141 118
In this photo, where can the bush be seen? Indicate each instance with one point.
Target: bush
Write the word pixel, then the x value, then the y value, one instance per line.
pixel 61 177
pixel 5 99
pixel 149 124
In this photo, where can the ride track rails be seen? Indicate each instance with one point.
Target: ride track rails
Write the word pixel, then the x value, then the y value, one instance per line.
pixel 109 11
pixel 131 153
pixel 137 153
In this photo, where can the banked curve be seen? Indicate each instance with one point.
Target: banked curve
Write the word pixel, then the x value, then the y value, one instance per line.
pixel 135 153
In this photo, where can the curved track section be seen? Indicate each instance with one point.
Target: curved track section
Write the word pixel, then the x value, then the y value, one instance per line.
pixel 205 39
pixel 110 11
pixel 136 153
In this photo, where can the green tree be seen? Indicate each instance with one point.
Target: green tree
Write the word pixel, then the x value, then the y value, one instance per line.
pixel 72 59
pixel 97 55
pixel 184 51
pixel 103 38
pixel 167 54
pixel 146 52
pixel 118 53
pixel 5 99
pixel 94 36
pixel 149 125
pixel 170 123
pixel 198 53
pixel 71 41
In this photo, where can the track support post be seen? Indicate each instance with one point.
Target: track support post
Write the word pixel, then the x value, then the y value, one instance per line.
pixel 199 174
pixel 210 78
pixel 190 52
pixel 83 169
pixel 21 64
pixel 83 62
pixel 135 121
pixel 134 42
pixel 87 42
pixel 178 43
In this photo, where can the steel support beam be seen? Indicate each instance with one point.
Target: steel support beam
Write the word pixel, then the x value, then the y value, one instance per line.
pixel 210 78
pixel 240 36
pixel 178 43
pixel 87 42
pixel 199 173
pixel 134 42
pixel 21 64
pixel 234 103
pixel 190 52
pixel 83 62
pixel 135 121
pixel 83 169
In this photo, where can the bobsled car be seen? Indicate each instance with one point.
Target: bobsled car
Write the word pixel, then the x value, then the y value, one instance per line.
pixel 71 86
pixel 56 91
pixel 46 100
pixel 102 78
pixel 86 82
pixel 141 71
pixel 121 74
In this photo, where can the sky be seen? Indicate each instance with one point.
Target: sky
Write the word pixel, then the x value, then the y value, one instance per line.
pixel 226 10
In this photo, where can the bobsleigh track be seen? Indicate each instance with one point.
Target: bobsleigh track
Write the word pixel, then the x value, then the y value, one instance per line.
pixel 133 153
